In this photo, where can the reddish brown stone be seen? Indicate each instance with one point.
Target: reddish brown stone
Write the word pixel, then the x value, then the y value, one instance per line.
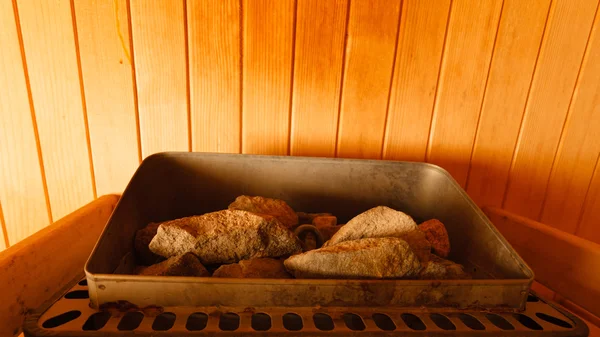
pixel 436 234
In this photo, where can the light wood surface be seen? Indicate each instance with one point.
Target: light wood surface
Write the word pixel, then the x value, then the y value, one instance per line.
pixel 418 56
pixel 563 262
pixel 268 48
pixel 496 91
pixel 21 184
pixel 320 39
pixel 159 49
pixel 368 69
pixel 40 265
pixel 463 75
pixel 588 225
pixel 52 66
pixel 579 145
pixel 109 93
pixel 566 35
pixel 214 56
pixel 509 79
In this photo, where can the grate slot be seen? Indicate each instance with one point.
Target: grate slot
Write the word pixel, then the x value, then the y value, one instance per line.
pixel 292 321
pixel 442 321
pixel 527 322
pixel 229 322
pixel 554 320
pixel 196 321
pixel 61 319
pixel 261 322
pixel 353 322
pixel 130 321
pixel 499 321
pixel 384 322
pixel 323 322
pixel 164 321
pixel 96 321
pixel 413 322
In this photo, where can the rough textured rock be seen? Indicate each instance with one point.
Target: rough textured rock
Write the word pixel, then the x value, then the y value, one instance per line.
pixel 254 268
pixel 182 265
pixel 327 226
pixel 436 234
pixel 441 269
pixel 324 221
pixel 377 222
pixel 365 258
pixel 141 242
pixel 419 244
pixel 224 237
pixel 274 207
pixel 310 237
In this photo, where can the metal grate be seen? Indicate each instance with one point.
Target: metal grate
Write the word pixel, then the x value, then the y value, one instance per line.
pixel 70 315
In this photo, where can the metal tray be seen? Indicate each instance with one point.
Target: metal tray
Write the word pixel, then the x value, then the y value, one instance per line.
pixel 68 314
pixel 173 185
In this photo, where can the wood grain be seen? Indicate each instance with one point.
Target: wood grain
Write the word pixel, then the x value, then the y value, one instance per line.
pixel 214 54
pixel 510 76
pixel 158 31
pixel 320 34
pixel 370 49
pixel 3 239
pixel 469 42
pixel 418 57
pixel 44 263
pixel 561 261
pixel 267 75
pixel 579 145
pixel 21 184
pixel 588 224
pixel 49 45
pixel 109 92
pixel 566 35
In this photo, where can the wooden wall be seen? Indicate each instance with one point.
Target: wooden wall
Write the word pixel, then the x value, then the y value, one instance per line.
pixel 505 94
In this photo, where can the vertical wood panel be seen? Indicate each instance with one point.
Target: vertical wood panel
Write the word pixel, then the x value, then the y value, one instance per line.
pixel 588 225
pixel 469 44
pixel 3 239
pixel 50 51
pixel 418 57
pixel 108 85
pixel 21 185
pixel 372 35
pixel 267 75
pixel 320 32
pixel 560 58
pixel 579 146
pixel 214 54
pixel 158 30
pixel 510 76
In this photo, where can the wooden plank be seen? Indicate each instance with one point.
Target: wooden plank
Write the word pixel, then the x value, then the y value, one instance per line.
pixel 21 182
pixel 510 75
pixel 559 61
pixel 469 43
pixel 159 51
pixel 418 57
pixel 563 262
pixel 108 85
pixel 45 262
pixel 50 51
pixel 3 232
pixel 320 35
pixel 579 146
pixel 214 54
pixel 267 75
pixel 588 225
pixel 370 49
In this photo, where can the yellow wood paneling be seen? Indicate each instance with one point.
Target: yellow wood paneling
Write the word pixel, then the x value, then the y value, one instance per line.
pixel 21 183
pixel 370 49
pixel 469 42
pixel 510 76
pixel 559 61
pixel 214 54
pixel 158 31
pixel 320 33
pixel 51 56
pixel 109 93
pixel 579 146
pixel 418 56
pixel 588 225
pixel 267 75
